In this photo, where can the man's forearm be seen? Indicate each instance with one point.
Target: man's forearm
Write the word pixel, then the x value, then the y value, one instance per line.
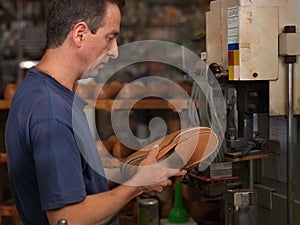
pixel 95 209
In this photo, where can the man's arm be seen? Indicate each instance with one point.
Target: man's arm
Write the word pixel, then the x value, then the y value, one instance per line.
pixel 97 208
pixel 100 208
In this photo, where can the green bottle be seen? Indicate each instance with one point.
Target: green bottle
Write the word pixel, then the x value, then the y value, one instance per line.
pixel 178 214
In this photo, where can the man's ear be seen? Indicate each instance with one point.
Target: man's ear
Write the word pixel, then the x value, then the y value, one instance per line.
pixel 78 33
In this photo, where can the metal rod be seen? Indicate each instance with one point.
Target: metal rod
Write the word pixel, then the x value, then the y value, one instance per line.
pixel 251 175
pixel 290 149
pixel 19 45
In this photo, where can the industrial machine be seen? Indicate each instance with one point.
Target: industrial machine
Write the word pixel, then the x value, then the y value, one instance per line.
pixel 252 48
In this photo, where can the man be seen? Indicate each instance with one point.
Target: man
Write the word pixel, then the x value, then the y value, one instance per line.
pixel 47 156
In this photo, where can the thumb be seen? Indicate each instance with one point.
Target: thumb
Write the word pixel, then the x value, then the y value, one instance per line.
pixel 151 157
pixel 154 152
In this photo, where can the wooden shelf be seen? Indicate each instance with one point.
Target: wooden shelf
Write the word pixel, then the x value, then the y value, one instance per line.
pixel 111 104
pixel 3 158
pixel 247 158
pixel 5 104
pixel 208 179
pixel 8 209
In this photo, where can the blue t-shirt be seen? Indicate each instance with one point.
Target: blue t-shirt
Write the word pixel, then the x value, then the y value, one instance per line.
pixel 49 143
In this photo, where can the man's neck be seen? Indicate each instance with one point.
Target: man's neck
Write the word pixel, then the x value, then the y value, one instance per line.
pixel 57 66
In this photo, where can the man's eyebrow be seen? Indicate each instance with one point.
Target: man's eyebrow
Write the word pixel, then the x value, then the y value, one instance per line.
pixel 116 33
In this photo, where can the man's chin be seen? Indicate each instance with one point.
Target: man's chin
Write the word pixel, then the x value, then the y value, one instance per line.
pixel 92 74
pixel 93 71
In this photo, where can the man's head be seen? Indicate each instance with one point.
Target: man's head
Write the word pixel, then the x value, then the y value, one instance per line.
pixel 64 14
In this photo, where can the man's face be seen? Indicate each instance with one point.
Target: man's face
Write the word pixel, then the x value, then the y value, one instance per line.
pixel 102 46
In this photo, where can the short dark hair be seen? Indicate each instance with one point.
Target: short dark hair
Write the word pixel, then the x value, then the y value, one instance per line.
pixel 64 14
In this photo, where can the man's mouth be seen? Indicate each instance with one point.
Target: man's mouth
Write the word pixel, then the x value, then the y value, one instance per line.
pixel 101 65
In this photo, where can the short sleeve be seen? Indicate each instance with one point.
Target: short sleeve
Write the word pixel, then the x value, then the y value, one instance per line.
pixel 58 164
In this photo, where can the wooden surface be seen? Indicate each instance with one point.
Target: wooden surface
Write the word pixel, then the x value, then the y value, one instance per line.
pixel 245 158
pixel 110 104
pixel 3 158
pixel 4 104
pixel 8 209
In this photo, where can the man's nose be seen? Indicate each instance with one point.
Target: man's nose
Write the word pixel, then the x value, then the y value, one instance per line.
pixel 114 51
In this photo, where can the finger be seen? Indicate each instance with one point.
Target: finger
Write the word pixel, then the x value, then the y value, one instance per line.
pixel 151 157
pixel 165 182
pixel 168 172
pixel 177 173
pixel 180 173
pixel 151 193
pixel 155 190
pixel 154 152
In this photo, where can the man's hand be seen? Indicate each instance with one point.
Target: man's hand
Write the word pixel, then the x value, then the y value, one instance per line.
pixel 152 177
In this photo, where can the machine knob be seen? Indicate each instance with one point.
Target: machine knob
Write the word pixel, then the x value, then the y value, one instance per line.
pixel 252 107
pixel 253 94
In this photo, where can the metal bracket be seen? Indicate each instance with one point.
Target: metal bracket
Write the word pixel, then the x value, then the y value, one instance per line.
pixel 289 44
